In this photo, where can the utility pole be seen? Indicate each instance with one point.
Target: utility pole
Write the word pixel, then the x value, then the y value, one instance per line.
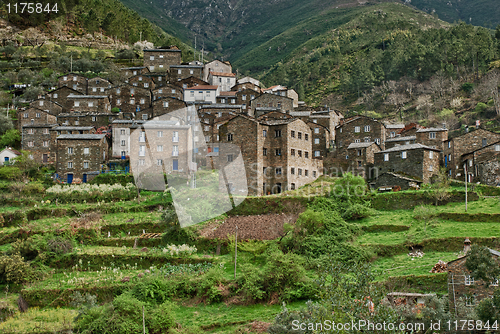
pixel 71 63
pixel 140 36
pixel 465 172
pixel 235 250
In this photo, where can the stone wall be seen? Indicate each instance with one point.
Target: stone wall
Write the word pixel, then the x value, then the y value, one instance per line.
pixel 159 60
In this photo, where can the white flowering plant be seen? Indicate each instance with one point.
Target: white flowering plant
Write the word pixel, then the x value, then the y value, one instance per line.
pixel 90 192
pixel 181 251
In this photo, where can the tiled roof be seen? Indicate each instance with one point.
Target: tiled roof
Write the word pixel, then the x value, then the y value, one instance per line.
pixel 278 121
pixel 400 139
pixel 408 147
pixel 230 93
pixel 394 126
pixel 221 106
pixel 203 87
pixel 76 128
pixel 431 130
pixel 360 145
pixel 82 136
pixel 71 96
pixel 39 125
pixel 401 177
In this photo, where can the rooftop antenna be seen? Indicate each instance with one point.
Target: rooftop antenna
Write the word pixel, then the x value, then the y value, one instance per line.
pixel 71 63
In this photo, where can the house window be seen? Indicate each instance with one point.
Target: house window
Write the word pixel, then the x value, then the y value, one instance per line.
pixel 77 122
pixel 70 150
pixel 431 154
pixel 299 135
pixel 314 173
pixel 264 134
pixel 497 148
pixel 306 172
pixel 367 128
pixel 377 140
pixel 484 142
pixel 315 121
pixel 123 142
pixel 70 164
pixel 431 168
pixel 359 153
pixel 316 140
pixel 38 115
pixel 449 144
pixel 142 150
pixel 300 171
pixel 277 133
pixel 306 155
pixel 299 153
pixel 175 136
pixel 229 137
pixel 142 162
pixel 219 114
pixel 403 155
pixel 159 148
pixel 316 130
pixel 143 101
pixel 54 95
pixel 26 115
pixel 292 171
pixel 357 129
pixel 278 171
pixel 77 103
pixel 45 131
pixel 86 165
pixel 306 136
pixel 45 143
pixel 159 134
pixel 293 134
pixel 91 104
pixel 264 151
pixel 317 153
pixel 206 128
pixel 367 139
pixel 31 131
pixel 278 151
pixel 159 162
pixel 118 102
pixel 94 118
pixel 102 89
pixel 144 116
pixel 432 135
pixel 122 131
pixel 292 152
pixel 175 150
pixel 292 186
pixel 229 158
pixel 86 150
pixel 357 140
pixel 132 101
pixel 386 157
pixel 151 57
pixel 243 97
pixel 393 134
pixel 165 104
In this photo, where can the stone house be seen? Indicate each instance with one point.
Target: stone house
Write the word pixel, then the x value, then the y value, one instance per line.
pixel 159 79
pixel 60 96
pixel 277 153
pixel 37 140
pixel 161 146
pixel 190 82
pixel 226 97
pixel 34 116
pixel 461 283
pixel 141 81
pixel 218 110
pixel 121 130
pixel 328 118
pixel 98 86
pixel 216 66
pixel 432 137
pixel 393 129
pixel 282 103
pixel 242 97
pixel 410 130
pixel 204 94
pixel 179 72
pixel 87 119
pixel 361 158
pixel 89 103
pixel 413 160
pixel 356 130
pixel 128 98
pixel 224 80
pixel 455 147
pixel 69 130
pixel 168 90
pixel 131 71
pixel 80 156
pixel 49 106
pixel 391 180
pixel 7 155
pixel 73 80
pixel 398 140
pixel 320 139
pixel 166 105
pixel 160 60
pixel 256 84
pixel 483 164
pixel 277 90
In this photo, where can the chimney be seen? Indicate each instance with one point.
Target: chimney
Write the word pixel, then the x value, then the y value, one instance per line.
pixel 444 125
pixel 466 245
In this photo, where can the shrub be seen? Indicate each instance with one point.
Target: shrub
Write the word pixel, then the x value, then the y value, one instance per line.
pixel 251 283
pixel 207 285
pixel 34 188
pixel 10 173
pixel 467 87
pixel 155 290
pixel 357 211
pixel 59 246
pixel 13 269
pixel 162 319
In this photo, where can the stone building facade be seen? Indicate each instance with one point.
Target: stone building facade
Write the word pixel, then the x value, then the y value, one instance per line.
pixel 34 116
pixel 60 96
pixel 361 159
pixel 320 139
pixel 49 106
pixel 358 129
pixel 216 66
pixel 282 103
pixel 121 130
pixel 142 81
pixel 168 90
pixel 201 94
pixel 166 105
pixel 80 156
pixel 159 60
pixel 432 137
pixel 455 147
pixel 131 71
pixel 179 72
pixel 159 79
pixel 483 165
pixel 128 98
pixel 414 160
pixel 390 181
pixel 37 140
pixel 87 119
pixel 73 80
pixel 89 103
pixel 224 80
pixel 464 286
pixel 98 86
pixel 277 153
pixel 398 140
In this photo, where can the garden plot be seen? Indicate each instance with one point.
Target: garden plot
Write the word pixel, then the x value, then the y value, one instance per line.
pixel 261 227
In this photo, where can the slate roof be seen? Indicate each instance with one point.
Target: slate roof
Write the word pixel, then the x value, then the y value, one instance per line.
pixel 82 136
pixel 408 147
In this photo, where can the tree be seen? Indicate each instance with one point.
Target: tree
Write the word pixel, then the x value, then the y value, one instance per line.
pixel 5 124
pixel 33 92
pixel 11 137
pixel 439 189
pixel 488 88
pixel 482 264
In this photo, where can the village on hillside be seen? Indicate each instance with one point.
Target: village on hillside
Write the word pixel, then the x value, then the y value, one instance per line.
pixel 84 127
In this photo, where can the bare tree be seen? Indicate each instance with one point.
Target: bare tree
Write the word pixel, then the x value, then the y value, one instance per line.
pixel 488 88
